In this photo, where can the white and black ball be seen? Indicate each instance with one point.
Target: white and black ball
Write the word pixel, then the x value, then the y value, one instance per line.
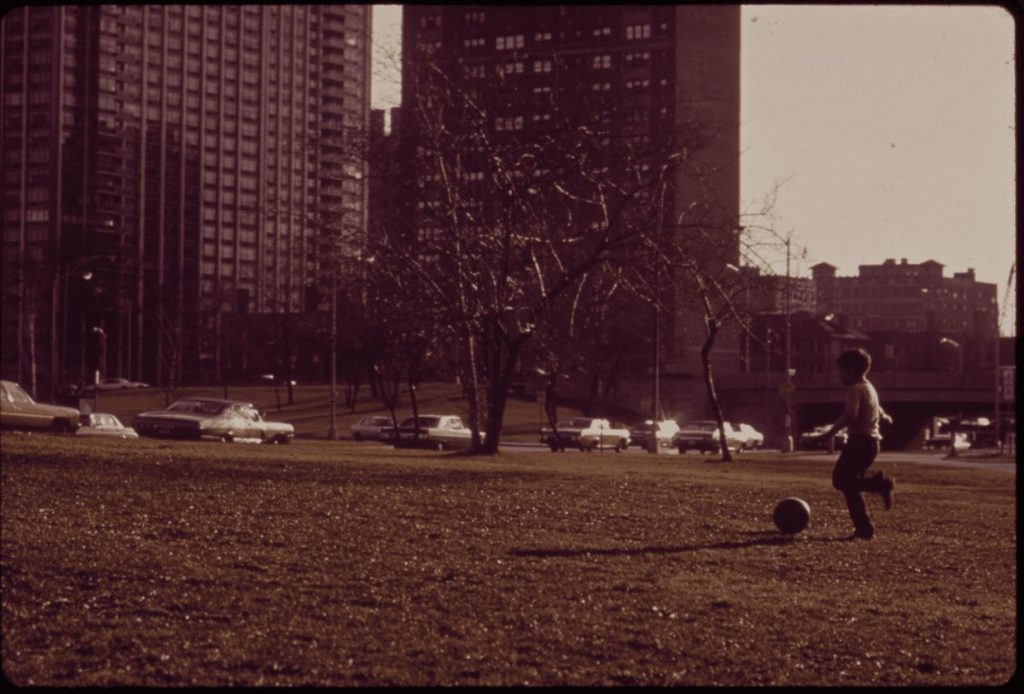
pixel 791 515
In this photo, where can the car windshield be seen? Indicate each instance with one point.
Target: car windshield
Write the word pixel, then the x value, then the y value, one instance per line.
pixel 425 422
pixel 14 393
pixel 197 407
pixel 573 423
pixel 703 426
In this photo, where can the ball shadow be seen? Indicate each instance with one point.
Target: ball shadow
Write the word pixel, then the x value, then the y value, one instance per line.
pixel 762 538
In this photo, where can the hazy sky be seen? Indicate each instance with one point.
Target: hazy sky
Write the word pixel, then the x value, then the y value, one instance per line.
pixel 888 131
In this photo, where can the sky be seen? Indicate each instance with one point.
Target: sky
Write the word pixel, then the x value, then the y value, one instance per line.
pixel 882 132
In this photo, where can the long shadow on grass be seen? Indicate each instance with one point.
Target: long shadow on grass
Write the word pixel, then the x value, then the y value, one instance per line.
pixel 765 538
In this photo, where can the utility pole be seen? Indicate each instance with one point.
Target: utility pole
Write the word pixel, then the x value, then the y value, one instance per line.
pixel 787 444
pixel 652 443
pixel 999 368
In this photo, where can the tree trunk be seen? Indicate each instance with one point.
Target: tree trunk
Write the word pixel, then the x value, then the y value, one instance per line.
pixel 709 384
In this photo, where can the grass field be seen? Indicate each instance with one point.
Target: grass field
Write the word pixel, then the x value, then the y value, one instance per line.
pixel 335 563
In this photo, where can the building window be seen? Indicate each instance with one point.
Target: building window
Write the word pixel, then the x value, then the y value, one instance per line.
pixel 507 43
pixel 638 31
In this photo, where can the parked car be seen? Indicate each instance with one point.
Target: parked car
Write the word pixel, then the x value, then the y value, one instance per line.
pixel 211 418
pixel 113 384
pixel 440 431
pixel 640 434
pixel 750 438
pixel 370 427
pixel 585 433
pixel 812 440
pixel 19 411
pixel 703 436
pixel 103 424
pixel 942 441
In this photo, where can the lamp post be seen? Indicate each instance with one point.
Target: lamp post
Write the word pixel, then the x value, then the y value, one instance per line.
pixel 101 359
pixel 58 357
pixel 787 444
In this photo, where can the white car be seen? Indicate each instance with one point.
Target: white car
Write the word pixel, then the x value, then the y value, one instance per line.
pixel 102 424
pixel 370 427
pixel 703 436
pixel 212 418
pixel 440 431
pixel 640 434
pixel 108 384
pixel 586 434
pixel 750 438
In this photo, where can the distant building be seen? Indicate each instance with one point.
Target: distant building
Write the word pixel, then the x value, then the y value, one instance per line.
pixel 187 158
pixel 384 203
pixel 775 293
pixel 815 343
pixel 909 297
pixel 641 71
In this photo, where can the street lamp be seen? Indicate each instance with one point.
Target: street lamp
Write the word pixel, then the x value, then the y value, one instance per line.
pixel 101 359
pixel 787 444
pixel 58 357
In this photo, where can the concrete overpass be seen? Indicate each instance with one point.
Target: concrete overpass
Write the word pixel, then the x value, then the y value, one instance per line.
pixel 912 398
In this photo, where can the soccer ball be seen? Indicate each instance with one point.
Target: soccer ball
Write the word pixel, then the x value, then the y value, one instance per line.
pixel 791 515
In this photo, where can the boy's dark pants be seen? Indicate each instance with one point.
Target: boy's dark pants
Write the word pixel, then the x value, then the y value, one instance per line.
pixel 848 477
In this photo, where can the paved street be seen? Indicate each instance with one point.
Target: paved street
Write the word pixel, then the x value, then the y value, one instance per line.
pixel 941 459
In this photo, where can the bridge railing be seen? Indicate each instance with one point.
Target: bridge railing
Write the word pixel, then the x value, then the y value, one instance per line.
pixel 977 383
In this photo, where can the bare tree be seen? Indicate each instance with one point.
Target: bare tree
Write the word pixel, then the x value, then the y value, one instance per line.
pixel 511 228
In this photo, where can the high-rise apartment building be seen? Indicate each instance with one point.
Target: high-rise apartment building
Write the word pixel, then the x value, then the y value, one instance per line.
pixel 165 164
pixel 642 72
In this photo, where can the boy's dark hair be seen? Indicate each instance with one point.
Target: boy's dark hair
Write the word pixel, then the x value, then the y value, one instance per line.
pixel 857 360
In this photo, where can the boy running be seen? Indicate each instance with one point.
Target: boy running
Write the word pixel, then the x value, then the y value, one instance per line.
pixel 860 417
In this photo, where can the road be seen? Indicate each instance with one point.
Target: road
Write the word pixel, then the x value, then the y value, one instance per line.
pixel 940 459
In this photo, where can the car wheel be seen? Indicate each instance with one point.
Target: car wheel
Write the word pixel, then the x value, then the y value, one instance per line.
pixel 357 437
pixel 61 426
pixel 440 445
pixel 620 446
pixel 227 438
pixel 284 440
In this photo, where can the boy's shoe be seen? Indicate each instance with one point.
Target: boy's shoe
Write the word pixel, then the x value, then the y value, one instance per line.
pixel 888 492
pixel 862 535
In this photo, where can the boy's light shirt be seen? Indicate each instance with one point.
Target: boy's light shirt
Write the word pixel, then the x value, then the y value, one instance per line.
pixel 862 411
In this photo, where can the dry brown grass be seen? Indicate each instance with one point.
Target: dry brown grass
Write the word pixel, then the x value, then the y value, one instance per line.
pixel 170 563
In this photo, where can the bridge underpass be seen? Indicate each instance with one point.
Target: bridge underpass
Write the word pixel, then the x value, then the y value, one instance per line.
pixel 912 398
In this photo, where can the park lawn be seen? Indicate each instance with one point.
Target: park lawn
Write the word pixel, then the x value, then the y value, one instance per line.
pixel 334 563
